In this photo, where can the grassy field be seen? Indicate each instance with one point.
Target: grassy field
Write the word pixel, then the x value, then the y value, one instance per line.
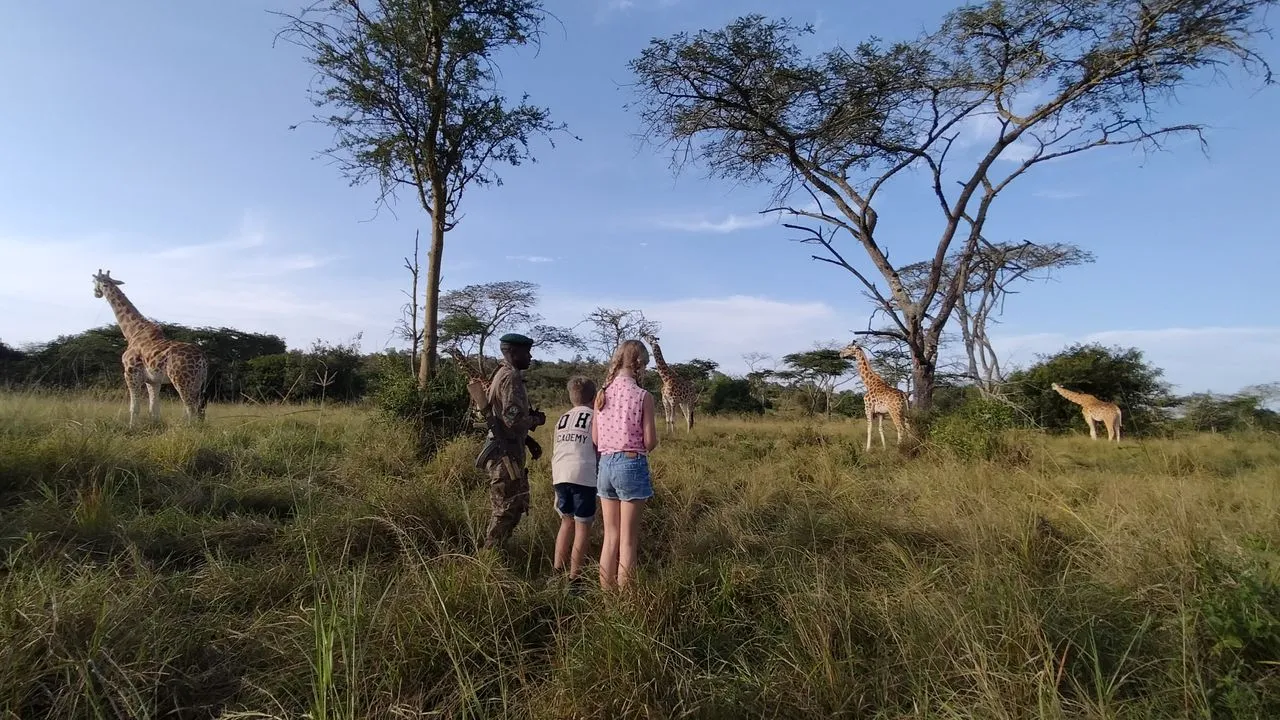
pixel 298 562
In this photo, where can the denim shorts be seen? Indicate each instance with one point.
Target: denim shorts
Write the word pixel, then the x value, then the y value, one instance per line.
pixel 624 476
pixel 576 501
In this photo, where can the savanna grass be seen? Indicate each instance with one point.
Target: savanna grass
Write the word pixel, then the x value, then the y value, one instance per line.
pixel 300 561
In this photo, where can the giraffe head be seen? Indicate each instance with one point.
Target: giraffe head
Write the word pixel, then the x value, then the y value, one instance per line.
pixel 1055 386
pixel 649 337
pixel 852 350
pixel 101 280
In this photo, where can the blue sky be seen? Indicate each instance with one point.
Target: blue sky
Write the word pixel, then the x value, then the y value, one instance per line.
pixel 152 138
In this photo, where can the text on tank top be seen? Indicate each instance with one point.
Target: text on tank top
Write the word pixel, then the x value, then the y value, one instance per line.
pixel 573 456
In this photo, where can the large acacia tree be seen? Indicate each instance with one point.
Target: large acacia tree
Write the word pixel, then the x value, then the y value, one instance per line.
pixel 477 313
pixel 828 132
pixel 413 86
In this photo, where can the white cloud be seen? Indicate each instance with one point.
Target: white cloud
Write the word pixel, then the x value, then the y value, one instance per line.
pixel 531 258
pixel 1194 359
pixel 249 280
pixel 720 329
pixel 727 224
pixel 608 8
pixel 981 128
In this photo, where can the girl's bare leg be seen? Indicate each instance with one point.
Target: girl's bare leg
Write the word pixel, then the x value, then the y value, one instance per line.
pixel 629 539
pixel 609 546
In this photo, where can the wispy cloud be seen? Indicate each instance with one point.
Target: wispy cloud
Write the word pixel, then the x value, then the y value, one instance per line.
pixel 1220 359
pixel 608 8
pixel 982 127
pixel 721 225
pixel 531 258
pixel 720 328
pixel 247 280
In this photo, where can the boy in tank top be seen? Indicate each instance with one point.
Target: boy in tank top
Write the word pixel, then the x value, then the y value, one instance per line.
pixel 573 476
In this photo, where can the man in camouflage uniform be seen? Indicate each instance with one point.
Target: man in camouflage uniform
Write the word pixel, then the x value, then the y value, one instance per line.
pixel 508 495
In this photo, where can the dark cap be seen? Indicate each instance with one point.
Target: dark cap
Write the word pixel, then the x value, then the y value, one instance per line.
pixel 515 339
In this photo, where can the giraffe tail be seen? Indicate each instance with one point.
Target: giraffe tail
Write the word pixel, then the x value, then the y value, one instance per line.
pixel 205 392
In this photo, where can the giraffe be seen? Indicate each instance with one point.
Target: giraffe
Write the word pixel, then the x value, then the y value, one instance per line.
pixel 677 392
pixel 476 376
pixel 1094 410
pixel 472 374
pixel 880 399
pixel 151 359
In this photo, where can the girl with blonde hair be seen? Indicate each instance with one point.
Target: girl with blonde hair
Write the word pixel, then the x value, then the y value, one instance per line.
pixel 625 432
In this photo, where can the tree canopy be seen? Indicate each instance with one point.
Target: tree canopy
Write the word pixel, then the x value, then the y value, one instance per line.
pixel 1119 375
pixel 828 132
pixel 414 88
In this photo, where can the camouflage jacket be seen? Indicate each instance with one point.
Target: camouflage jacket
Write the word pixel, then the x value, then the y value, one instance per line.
pixel 510 402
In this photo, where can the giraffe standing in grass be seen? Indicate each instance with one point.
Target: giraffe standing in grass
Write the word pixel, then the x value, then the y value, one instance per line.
pixel 151 359
pixel 1094 411
pixel 880 399
pixel 677 392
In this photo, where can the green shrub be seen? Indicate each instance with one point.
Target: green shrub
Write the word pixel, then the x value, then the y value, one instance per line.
pixel 976 430
pixel 1239 615
pixel 436 414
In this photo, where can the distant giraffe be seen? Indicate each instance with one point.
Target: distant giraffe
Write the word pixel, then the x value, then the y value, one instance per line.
pixel 677 392
pixel 1094 410
pixel 472 374
pixel 151 359
pixel 475 376
pixel 880 399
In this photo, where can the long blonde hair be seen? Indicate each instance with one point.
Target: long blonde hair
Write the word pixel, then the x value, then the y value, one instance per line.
pixel 632 355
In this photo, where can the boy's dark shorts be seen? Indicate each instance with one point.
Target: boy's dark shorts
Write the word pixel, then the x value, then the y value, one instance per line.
pixel 576 501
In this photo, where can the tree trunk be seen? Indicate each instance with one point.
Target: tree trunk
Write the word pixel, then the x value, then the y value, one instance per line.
pixel 922 379
pixel 431 307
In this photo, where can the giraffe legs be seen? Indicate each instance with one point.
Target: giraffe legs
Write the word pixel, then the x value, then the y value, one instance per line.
pixel 133 381
pixel 190 394
pixel 883 443
pixel 669 412
pixel 687 410
pixel 1113 428
pixel 1093 428
pixel 153 400
pixel 898 425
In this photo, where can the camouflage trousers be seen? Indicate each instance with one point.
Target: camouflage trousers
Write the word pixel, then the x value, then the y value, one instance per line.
pixel 508 500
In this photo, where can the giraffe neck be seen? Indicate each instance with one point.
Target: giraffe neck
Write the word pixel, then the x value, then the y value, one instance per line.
pixel 663 370
pixel 1077 398
pixel 869 376
pixel 136 328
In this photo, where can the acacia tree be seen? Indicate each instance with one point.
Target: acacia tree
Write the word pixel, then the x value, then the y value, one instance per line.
pixel 413 85
pixel 834 129
pixel 986 278
pixel 476 313
pixel 608 327
pixel 823 368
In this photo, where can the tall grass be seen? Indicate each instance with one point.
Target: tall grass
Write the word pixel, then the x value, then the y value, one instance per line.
pixel 301 562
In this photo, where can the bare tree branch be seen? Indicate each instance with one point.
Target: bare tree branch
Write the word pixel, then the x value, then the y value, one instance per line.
pixel 745 103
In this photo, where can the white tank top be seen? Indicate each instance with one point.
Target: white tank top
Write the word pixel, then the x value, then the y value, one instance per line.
pixel 573 457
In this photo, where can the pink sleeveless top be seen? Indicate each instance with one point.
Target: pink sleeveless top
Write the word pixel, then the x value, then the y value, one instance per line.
pixel 620 425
